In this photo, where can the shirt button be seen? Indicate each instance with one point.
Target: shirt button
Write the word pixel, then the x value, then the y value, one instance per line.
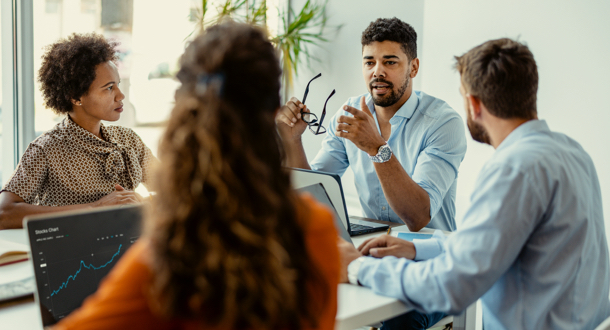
pixel 383 208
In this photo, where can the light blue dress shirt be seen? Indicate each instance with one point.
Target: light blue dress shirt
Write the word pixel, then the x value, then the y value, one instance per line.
pixel 532 244
pixel 429 141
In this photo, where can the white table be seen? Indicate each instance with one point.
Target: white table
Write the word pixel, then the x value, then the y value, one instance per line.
pixel 357 306
pixel 21 314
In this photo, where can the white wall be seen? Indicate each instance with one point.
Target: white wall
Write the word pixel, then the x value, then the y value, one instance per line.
pixel 570 41
pixel 341 65
pixel 571 44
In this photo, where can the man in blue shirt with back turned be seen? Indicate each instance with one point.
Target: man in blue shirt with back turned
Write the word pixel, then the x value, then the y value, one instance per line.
pixel 532 245
pixel 404 146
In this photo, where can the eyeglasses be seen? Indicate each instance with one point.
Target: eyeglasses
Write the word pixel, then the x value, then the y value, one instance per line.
pixel 314 125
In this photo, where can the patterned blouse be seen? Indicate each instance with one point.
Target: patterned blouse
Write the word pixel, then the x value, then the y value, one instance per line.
pixel 68 165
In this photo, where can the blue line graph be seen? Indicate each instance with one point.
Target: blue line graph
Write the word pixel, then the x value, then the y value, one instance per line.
pixel 82 264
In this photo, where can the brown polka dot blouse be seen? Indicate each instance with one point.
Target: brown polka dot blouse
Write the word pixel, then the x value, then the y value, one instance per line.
pixel 68 165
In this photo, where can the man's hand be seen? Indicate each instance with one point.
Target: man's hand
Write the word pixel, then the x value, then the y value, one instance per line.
pixel 288 120
pixel 347 253
pixel 118 197
pixel 360 129
pixel 386 245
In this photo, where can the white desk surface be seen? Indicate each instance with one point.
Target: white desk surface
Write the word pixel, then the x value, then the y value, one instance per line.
pixel 357 306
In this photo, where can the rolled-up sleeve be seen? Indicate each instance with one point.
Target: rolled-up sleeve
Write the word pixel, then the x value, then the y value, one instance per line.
pixel 332 157
pixel 438 163
pixel 429 248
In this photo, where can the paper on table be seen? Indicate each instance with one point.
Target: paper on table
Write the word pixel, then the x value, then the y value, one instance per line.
pixel 11 252
pixel 411 236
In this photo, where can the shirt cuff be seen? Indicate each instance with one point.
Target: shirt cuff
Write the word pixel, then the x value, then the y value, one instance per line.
pixel 426 248
pixel 353 269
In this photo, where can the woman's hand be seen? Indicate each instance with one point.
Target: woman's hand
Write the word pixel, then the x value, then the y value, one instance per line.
pixel 119 197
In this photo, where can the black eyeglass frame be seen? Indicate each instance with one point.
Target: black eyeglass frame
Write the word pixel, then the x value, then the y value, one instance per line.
pixel 313 123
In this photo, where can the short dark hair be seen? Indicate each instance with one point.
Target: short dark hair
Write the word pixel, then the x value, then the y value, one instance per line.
pixel 392 29
pixel 503 74
pixel 68 68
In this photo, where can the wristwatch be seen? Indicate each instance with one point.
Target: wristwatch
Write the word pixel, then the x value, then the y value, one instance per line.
pixel 352 270
pixel 383 154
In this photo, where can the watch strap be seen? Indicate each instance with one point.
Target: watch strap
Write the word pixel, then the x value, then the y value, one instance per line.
pixel 352 270
pixel 384 153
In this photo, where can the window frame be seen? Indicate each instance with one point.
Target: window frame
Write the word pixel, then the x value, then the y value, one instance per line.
pixel 17 82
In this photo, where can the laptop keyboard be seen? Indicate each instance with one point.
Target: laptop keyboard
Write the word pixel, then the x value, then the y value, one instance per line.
pixel 357 227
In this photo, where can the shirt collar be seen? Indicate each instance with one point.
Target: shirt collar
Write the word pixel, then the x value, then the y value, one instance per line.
pixel 529 127
pixel 71 125
pixel 405 111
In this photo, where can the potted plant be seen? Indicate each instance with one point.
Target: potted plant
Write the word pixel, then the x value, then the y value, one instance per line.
pixel 296 32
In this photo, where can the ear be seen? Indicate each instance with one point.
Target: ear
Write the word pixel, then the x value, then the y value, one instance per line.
pixel 414 67
pixel 76 102
pixel 474 106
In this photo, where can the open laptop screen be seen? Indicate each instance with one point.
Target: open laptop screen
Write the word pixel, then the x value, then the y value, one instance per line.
pixel 319 193
pixel 72 252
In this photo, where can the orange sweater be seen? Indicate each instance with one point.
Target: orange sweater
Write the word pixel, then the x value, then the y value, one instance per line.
pixel 121 301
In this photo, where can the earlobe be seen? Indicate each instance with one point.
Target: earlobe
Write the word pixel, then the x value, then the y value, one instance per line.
pixel 77 102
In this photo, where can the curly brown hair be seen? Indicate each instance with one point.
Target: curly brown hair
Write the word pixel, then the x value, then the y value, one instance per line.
pixel 392 29
pixel 227 229
pixel 68 68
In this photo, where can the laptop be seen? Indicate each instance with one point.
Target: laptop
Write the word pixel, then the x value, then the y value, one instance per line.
pixel 71 252
pixel 319 193
pixel 332 185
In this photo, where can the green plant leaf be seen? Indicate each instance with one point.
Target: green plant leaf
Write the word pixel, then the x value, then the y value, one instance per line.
pixel 301 29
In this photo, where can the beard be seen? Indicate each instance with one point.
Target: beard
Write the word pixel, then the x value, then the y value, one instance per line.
pixel 393 96
pixel 477 131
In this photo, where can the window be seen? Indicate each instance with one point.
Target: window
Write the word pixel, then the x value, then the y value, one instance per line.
pixel 152 36
pixel 1 115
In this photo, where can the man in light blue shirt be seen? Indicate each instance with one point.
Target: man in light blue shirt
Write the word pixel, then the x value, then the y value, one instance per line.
pixel 532 245
pixel 427 137
pixel 404 146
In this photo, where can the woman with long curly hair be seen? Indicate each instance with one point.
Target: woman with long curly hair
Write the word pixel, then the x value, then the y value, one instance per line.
pixel 79 163
pixel 228 244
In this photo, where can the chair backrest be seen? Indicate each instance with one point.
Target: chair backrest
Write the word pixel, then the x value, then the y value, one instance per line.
pixel 605 325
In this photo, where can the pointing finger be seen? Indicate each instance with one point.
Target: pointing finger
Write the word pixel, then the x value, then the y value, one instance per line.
pixel 364 107
pixel 357 113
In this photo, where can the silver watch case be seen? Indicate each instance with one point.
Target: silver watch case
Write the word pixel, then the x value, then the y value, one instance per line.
pixel 384 153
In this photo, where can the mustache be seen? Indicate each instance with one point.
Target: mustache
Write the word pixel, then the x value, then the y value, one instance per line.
pixel 380 80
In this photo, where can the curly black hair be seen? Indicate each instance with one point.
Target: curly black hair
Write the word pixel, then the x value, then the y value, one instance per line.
pixel 68 68
pixel 392 29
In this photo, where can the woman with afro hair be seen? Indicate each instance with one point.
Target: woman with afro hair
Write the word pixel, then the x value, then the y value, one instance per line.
pixel 79 163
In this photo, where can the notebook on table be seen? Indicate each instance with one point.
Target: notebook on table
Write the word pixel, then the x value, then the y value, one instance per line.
pixel 332 185
pixel 411 236
pixel 71 253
